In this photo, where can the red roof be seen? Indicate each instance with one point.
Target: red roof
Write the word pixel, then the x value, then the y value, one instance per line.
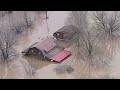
pixel 61 56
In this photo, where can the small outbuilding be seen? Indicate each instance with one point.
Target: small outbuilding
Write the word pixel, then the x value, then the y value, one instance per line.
pixel 66 33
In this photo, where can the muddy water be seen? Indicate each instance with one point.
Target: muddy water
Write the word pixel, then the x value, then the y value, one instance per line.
pixel 38 63
pixel 27 38
pixel 45 68
pixel 56 21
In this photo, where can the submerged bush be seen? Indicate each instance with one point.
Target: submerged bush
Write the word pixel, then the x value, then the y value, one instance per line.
pixel 64 69
pixel 18 29
pixel 69 69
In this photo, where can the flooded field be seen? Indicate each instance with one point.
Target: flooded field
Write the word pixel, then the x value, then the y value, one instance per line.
pixel 45 69
pixel 40 32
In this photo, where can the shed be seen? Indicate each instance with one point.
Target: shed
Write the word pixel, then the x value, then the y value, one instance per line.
pixel 66 33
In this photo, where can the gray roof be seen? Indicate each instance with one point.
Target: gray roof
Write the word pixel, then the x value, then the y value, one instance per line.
pixel 68 29
pixel 29 47
pixel 46 44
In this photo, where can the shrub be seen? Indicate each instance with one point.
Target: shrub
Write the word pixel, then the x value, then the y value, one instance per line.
pixel 69 69
pixel 64 69
pixel 18 28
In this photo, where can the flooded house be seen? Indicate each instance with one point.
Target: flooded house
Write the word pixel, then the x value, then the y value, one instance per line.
pixel 47 50
pixel 66 33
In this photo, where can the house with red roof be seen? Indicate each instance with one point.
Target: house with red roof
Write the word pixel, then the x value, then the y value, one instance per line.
pixel 47 50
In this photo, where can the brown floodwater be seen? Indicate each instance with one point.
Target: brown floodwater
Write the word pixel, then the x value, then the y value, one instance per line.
pixel 45 68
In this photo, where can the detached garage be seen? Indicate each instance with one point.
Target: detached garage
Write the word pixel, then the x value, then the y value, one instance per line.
pixel 66 33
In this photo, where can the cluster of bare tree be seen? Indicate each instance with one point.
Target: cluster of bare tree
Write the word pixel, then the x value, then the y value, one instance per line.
pixel 7 42
pixel 3 13
pixel 107 22
pixel 24 25
pixel 7 51
pixel 21 20
pixel 108 25
pixel 29 70
pixel 8 37
pixel 95 42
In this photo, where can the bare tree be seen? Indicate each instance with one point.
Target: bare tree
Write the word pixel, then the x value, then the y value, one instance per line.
pixel 89 50
pixel 28 22
pixel 7 41
pixel 92 54
pixel 79 19
pixel 46 13
pixel 108 25
pixel 106 22
pixel 20 21
pixel 7 50
pixel 3 13
pixel 46 18
pixel 29 70
pixel 18 29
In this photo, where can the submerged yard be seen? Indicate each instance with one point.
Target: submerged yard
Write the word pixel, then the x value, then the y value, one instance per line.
pixel 39 32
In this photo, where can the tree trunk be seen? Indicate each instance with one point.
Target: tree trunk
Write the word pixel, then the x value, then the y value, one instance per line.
pixel 46 14
pixel 47 26
pixel 110 32
pixel 78 41
pixel 26 20
pixel 47 22
pixel 5 73
pixel 89 76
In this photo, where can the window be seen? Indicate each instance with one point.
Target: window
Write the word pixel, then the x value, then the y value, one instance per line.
pixel 32 50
